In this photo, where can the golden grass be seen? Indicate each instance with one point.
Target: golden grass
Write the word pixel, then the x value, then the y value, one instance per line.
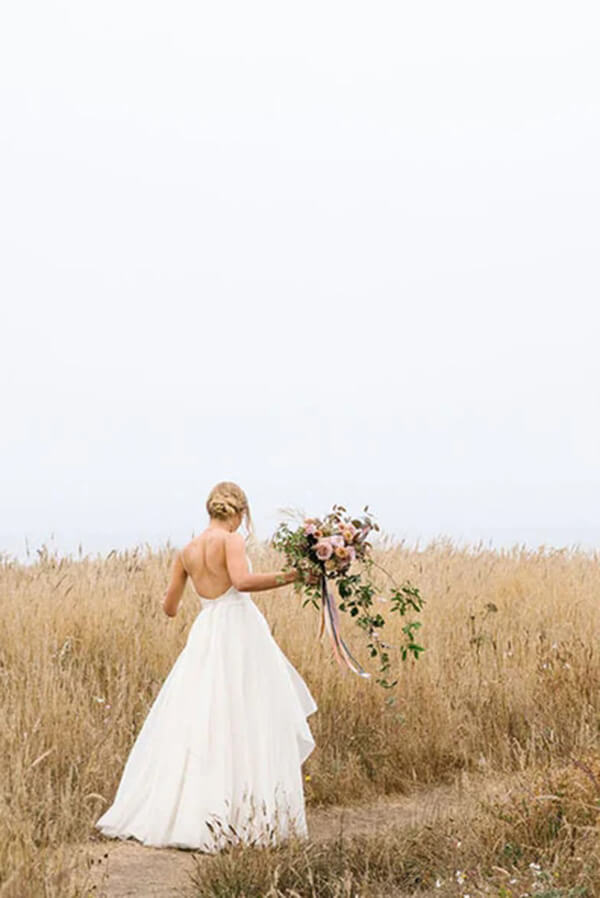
pixel 539 839
pixel 85 647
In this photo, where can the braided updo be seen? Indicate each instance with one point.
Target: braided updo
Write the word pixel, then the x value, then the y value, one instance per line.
pixel 227 499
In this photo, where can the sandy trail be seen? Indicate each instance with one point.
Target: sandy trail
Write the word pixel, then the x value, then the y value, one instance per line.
pixel 126 869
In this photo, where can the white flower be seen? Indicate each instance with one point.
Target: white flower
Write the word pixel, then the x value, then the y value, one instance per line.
pixel 438 883
pixel 460 877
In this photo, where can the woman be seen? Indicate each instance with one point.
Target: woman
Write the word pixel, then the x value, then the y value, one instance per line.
pixel 218 759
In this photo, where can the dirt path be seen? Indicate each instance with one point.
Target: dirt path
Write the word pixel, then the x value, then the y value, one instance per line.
pixel 126 869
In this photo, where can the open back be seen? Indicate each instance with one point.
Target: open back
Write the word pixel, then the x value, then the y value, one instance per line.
pixel 205 562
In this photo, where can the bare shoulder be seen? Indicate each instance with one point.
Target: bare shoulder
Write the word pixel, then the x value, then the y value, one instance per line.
pixel 234 540
pixel 191 543
pixel 181 558
pixel 190 548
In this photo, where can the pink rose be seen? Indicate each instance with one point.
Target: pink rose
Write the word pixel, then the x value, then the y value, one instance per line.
pixel 336 540
pixel 324 549
pixel 351 552
pixel 310 528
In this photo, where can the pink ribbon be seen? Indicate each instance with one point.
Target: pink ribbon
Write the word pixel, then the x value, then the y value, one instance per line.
pixel 330 622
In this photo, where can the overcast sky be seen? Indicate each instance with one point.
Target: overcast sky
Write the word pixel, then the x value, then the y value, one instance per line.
pixel 334 251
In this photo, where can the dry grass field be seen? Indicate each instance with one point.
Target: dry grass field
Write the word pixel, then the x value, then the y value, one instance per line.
pixel 508 688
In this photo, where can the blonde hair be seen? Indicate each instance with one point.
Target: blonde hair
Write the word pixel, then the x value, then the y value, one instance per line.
pixel 226 499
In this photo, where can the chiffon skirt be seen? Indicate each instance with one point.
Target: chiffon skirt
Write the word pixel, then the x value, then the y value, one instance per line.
pixel 218 758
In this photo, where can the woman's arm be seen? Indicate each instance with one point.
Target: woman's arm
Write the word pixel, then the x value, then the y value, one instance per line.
pixel 174 590
pixel 240 574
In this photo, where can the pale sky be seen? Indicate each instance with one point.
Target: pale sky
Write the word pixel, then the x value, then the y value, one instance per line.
pixel 336 252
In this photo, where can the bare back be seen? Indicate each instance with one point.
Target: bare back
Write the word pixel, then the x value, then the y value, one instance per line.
pixel 215 561
pixel 205 562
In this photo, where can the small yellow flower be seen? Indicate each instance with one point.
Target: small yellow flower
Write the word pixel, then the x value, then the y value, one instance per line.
pixel 307 777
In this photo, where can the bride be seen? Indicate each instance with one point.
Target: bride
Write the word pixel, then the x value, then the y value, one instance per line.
pixel 218 758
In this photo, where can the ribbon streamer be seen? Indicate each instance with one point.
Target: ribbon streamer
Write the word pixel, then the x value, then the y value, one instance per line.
pixel 330 622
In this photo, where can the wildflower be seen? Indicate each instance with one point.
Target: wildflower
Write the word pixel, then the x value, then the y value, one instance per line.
pixel 307 777
pixel 98 698
pixel 438 883
pixel 460 877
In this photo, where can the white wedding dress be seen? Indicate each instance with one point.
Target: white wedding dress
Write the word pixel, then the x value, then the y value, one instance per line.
pixel 218 758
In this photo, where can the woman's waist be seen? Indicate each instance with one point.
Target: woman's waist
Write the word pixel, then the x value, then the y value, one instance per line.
pixel 232 596
pixel 232 613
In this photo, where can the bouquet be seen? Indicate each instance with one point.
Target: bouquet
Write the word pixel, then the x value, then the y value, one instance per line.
pixel 324 549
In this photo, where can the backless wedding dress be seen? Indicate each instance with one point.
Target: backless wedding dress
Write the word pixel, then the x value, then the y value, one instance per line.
pixel 218 758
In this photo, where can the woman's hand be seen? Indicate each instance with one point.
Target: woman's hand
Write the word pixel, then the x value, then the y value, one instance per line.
pixel 305 577
pixel 312 578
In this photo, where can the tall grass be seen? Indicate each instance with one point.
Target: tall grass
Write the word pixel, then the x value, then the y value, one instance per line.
pixel 510 680
pixel 541 838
